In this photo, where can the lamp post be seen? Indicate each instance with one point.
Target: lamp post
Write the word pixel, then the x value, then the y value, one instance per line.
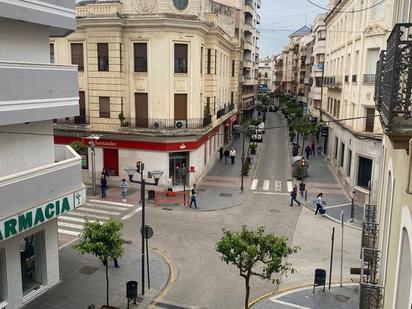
pixel 352 207
pixel 302 185
pixel 156 174
pixel 92 143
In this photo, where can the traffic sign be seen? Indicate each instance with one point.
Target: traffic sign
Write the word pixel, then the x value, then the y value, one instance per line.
pixel 148 231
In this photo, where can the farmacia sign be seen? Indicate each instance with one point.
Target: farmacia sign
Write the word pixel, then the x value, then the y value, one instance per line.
pixel 30 218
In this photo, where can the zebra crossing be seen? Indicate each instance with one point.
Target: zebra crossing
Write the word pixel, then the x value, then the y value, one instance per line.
pixel 72 222
pixel 270 185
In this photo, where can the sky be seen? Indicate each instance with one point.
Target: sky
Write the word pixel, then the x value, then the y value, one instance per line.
pixel 279 18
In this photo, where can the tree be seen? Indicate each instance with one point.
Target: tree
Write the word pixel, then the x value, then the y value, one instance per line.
pixel 304 127
pixel 255 253
pixel 78 146
pixel 102 240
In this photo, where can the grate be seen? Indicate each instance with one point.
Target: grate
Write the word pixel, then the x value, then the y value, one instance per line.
pixel 169 209
pixel 127 242
pixel 226 194
pixel 342 299
pixel 88 270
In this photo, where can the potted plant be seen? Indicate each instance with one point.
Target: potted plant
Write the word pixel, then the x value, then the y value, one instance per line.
pixel 292 135
pixel 246 168
pixel 253 148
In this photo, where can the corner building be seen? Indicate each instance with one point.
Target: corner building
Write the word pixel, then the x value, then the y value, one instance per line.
pixel 38 180
pixel 158 81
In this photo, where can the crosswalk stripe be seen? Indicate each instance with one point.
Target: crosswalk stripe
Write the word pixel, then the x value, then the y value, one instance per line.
pixel 132 213
pixel 68 232
pixel 254 184
pixel 74 219
pixel 82 215
pixel 278 186
pixel 70 225
pixel 266 184
pixel 106 206
pixel 93 210
pixel 111 203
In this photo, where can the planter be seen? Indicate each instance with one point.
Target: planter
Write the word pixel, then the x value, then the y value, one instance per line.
pixel 252 151
pixel 110 307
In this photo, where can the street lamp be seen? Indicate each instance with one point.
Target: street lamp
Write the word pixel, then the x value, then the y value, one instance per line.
pixel 156 174
pixel 92 143
pixel 352 207
pixel 302 185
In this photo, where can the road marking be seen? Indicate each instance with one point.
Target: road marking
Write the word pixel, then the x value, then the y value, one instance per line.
pixel 278 186
pixel 254 184
pixel 99 211
pixel 288 304
pixel 74 213
pixel 112 203
pixel 132 213
pixel 70 225
pixel 116 208
pixel 271 193
pixel 336 206
pixel 74 219
pixel 266 184
pixel 67 232
pixel 290 186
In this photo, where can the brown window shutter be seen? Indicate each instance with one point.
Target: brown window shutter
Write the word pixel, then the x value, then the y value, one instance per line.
pixel 81 119
pixel 104 107
pixel 180 107
pixel 141 110
pixel 370 119
pixel 77 55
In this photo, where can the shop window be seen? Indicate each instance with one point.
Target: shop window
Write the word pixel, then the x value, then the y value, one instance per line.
pixel 364 171
pixel 103 56
pixel 104 107
pixel 77 55
pixel 140 57
pixel 32 258
pixel 3 277
pixel 180 58
pixel 84 154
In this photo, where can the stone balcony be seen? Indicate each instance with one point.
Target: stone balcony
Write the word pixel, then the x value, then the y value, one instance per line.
pixel 98 9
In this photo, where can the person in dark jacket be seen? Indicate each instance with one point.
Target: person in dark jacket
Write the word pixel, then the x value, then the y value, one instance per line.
pixel 226 154
pixel 307 150
pixel 220 154
pixel 293 196
pixel 103 186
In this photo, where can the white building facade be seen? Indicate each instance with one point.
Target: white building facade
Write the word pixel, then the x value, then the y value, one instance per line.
pixel 38 181
pixel 266 73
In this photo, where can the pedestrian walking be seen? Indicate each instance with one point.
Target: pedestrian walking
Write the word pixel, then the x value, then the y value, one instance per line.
pixel 312 147
pixel 103 186
pixel 226 154
pixel 123 189
pixel 307 150
pixel 220 154
pixel 293 195
pixel 232 155
pixel 319 204
pixel 193 196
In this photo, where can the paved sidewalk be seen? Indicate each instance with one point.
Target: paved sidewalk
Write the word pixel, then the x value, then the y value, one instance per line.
pixel 83 278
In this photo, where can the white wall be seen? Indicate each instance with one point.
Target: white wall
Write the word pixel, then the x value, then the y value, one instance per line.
pixel 24 149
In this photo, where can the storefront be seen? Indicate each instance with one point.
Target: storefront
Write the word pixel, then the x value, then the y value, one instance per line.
pixel 29 259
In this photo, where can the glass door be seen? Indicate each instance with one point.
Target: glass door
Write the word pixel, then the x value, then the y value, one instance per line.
pixel 176 163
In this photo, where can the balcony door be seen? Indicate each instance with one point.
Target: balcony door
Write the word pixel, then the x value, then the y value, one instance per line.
pixel 81 119
pixel 111 161
pixel 180 107
pixel 141 110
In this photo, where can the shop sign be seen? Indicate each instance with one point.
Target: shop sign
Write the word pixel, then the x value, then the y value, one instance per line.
pixel 28 219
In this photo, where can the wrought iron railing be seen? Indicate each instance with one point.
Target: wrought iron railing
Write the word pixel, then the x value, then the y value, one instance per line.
pixel 169 124
pixel 78 120
pixel 379 79
pixel 226 109
pixel 369 78
pixel 396 82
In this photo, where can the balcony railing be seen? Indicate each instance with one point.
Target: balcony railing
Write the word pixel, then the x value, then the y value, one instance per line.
pixel 73 121
pixel 369 78
pixel 333 81
pixel 169 124
pixel 223 111
pixel 393 84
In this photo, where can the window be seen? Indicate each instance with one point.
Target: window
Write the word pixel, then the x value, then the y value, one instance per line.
pixel 321 35
pixel 180 58
pixel 215 61
pixel 140 57
pixel 364 171
pixel 209 60
pixel 141 110
pixel 231 97
pixel 349 161
pixel 104 107
pixel 336 147
pixel 342 154
pixel 370 119
pixel 77 55
pixel 51 45
pixel 318 81
pixel 32 257
pixel 81 119
pixel 201 60
pixel 180 106
pixel 372 56
pixel 266 74
pixel 233 68
pixel 103 56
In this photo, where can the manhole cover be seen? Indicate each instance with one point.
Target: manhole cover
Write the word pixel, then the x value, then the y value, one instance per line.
pixel 342 299
pixel 225 194
pixel 167 209
pixel 127 242
pixel 88 270
pixel 274 210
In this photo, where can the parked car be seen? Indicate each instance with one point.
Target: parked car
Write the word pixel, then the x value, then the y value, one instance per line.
pixel 273 108
pixel 261 127
pixel 257 138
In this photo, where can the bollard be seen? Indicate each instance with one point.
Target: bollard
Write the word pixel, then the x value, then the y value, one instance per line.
pixel 306 195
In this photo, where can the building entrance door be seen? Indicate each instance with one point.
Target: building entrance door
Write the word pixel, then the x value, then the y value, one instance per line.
pixel 111 161
pixel 176 162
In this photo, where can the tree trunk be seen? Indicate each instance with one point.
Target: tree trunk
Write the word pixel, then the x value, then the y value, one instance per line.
pixel 303 146
pixel 247 292
pixel 107 283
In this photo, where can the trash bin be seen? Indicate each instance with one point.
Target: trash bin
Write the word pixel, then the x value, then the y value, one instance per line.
pixel 320 278
pixel 151 194
pixel 131 291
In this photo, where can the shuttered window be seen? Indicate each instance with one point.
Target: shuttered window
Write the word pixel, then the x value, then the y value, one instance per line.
pixel 370 119
pixel 141 110
pixel 81 119
pixel 77 55
pixel 180 58
pixel 104 107
pixel 201 60
pixel 140 57
pixel 209 60
pixel 103 56
pixel 180 107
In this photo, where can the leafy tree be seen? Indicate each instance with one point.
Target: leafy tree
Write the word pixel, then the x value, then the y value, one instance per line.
pixel 78 146
pixel 255 253
pixel 304 127
pixel 102 240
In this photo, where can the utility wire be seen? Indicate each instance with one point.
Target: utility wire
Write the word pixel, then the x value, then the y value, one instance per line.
pixel 346 12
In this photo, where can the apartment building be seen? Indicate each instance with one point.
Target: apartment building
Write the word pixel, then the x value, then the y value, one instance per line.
pixel 290 56
pixel 251 35
pixel 38 180
pixel 159 82
pixel 266 73
pixel 353 44
pixel 279 73
pixel 390 234
pixel 305 63
pixel 317 64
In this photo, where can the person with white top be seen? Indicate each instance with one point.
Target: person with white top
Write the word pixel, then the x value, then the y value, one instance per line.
pixel 319 202
pixel 232 155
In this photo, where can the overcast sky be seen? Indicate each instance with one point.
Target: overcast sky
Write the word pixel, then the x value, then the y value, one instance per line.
pixel 279 18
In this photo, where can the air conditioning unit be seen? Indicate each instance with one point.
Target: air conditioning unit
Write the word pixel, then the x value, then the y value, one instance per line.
pixel 180 124
pixel 158 125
